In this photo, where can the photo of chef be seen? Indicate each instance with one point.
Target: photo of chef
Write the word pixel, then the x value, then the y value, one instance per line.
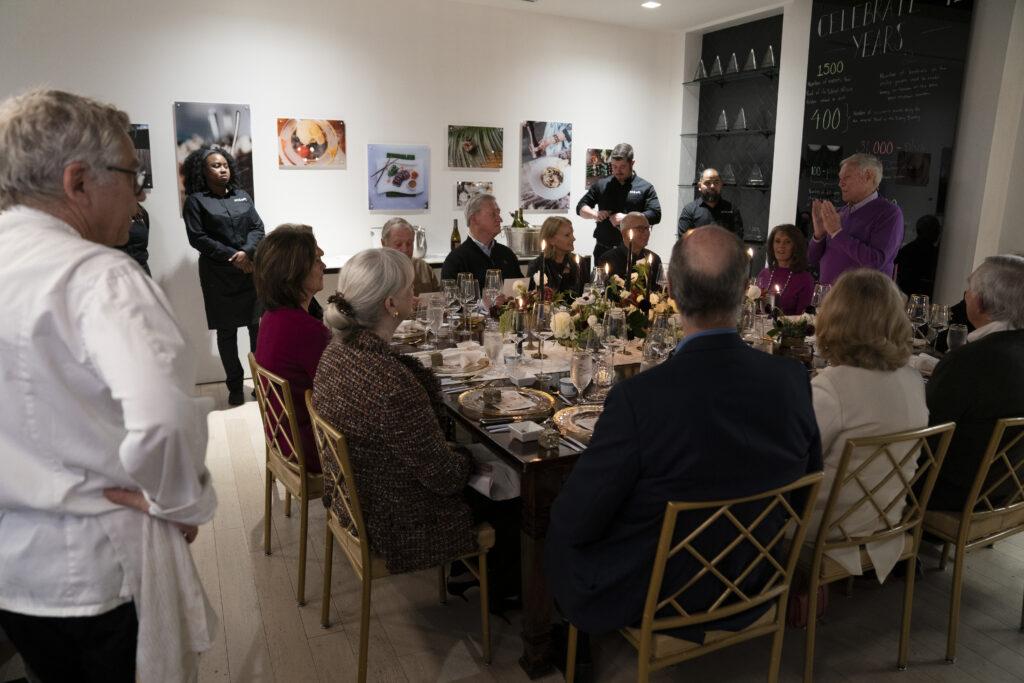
pixel 311 143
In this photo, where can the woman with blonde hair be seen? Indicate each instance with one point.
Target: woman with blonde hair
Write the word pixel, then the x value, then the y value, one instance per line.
pixel 867 390
pixel 561 272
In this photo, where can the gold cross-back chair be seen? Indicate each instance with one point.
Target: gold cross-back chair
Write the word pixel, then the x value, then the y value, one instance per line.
pixel 351 533
pixel 994 510
pixel 281 426
pixel 789 507
pixel 883 481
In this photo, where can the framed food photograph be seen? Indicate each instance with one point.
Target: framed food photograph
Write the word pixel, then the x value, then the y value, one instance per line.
pixel 599 165
pixel 399 177
pixel 139 133
pixel 475 147
pixel 545 166
pixel 311 143
pixel 467 189
pixel 213 123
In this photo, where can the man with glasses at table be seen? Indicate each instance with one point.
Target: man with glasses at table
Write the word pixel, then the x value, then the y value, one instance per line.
pixel 102 441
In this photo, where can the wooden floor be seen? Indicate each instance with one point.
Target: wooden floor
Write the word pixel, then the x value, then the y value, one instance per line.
pixel 266 636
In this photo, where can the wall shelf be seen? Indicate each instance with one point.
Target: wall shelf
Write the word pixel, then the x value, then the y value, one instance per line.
pixel 769 73
pixel 717 134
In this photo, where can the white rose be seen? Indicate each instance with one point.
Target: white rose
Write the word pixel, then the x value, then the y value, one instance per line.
pixel 592 320
pixel 536 278
pixel 618 281
pixel 753 292
pixel 655 299
pixel 561 325
pixel 633 276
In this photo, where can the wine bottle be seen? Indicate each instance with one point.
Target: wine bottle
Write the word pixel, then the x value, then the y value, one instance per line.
pixel 456 238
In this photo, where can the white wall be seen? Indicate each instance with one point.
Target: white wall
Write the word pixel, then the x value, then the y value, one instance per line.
pixel 397 72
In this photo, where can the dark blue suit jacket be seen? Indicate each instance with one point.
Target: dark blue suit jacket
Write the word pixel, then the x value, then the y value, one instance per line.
pixel 716 420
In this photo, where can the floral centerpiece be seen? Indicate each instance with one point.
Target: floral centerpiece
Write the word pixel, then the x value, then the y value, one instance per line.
pixel 791 326
pixel 642 305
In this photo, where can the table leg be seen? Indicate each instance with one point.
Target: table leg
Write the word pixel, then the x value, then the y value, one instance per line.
pixel 540 486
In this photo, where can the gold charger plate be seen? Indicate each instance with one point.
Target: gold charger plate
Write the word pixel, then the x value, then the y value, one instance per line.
pixel 456 371
pixel 471 403
pixel 568 421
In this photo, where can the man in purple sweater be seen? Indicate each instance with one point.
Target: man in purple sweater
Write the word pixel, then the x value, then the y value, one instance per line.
pixel 866 233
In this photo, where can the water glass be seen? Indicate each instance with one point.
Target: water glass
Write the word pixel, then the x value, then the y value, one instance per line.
pixel 435 319
pixel 615 334
pixel 820 292
pixel 492 279
pixel 492 343
pixel 581 370
pixel 956 337
pixel 604 370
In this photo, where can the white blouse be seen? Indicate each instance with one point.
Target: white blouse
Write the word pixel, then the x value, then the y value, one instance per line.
pixel 854 402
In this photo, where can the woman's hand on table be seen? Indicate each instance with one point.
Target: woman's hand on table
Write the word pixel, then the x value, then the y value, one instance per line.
pixel 134 499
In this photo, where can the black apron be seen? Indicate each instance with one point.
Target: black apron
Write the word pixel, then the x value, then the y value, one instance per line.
pixel 229 295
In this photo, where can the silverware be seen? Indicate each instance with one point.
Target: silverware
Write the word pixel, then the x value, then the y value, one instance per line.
pixel 497 429
pixel 580 446
pixel 569 445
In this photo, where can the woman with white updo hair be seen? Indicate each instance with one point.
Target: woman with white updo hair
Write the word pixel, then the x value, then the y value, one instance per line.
pixel 389 408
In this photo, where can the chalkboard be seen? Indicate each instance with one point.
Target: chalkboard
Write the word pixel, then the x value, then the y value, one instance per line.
pixel 884 77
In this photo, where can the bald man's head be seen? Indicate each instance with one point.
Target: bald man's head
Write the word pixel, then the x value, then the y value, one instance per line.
pixel 708 273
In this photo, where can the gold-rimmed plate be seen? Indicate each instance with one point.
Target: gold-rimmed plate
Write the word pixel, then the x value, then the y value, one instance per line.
pixel 578 421
pixel 523 402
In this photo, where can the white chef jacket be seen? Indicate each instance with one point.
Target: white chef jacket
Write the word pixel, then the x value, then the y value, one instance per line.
pixel 97 382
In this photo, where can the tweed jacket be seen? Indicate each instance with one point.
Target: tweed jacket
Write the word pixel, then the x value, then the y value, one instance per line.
pixel 409 480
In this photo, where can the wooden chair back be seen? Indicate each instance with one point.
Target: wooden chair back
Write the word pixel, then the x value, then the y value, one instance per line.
pixel 340 484
pixel 882 484
pixel 765 521
pixel 998 489
pixel 280 423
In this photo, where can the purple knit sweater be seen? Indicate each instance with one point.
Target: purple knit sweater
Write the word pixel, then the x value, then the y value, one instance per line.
pixel 870 238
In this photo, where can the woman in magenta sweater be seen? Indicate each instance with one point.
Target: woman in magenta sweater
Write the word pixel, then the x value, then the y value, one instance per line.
pixel 288 272
pixel 786 275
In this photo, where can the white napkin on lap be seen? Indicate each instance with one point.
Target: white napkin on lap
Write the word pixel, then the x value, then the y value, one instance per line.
pixel 923 363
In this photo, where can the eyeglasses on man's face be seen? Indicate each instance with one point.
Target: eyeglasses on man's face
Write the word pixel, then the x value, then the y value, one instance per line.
pixel 139 175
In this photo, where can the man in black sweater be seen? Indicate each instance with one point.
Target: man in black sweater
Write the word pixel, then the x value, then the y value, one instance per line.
pixel 710 208
pixel 609 200
pixel 480 252
pixel 982 381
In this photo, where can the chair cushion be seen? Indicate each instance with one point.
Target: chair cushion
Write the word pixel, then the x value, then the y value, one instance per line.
pixel 947 524
pixel 833 571
pixel 667 646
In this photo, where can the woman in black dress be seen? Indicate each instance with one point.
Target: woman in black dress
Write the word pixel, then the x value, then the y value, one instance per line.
pixel 223 226
pixel 561 272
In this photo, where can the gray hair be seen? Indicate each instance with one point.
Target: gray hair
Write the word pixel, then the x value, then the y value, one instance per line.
pixel 365 281
pixel 394 224
pixel 999 283
pixel 623 151
pixel 476 203
pixel 43 131
pixel 709 279
pixel 866 162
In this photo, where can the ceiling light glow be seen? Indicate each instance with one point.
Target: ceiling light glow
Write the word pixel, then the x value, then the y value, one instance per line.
pixel 650 4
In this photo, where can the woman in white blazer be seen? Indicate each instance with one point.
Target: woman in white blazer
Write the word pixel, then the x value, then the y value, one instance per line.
pixel 867 390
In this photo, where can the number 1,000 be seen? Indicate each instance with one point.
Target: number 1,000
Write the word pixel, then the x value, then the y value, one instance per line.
pixel 827 119
pixel 830 69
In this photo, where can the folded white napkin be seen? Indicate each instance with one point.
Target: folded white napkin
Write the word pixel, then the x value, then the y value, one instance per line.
pixel 409 327
pixel 923 363
pixel 462 358
pixel 512 400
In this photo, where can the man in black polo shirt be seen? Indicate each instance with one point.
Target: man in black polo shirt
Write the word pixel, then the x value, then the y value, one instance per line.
pixel 710 208
pixel 615 196
pixel 479 251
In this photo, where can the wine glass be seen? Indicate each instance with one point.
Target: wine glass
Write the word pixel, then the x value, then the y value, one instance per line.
pixel 423 318
pixel 917 310
pixel 543 312
pixel 615 330
pixel 581 371
pixel 435 317
pixel 663 278
pixel 465 294
pixel 820 292
pixel 938 320
pixel 492 279
pixel 490 297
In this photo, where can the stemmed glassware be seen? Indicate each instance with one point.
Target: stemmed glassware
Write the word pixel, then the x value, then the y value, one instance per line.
pixel 615 335
pixel 581 371
pixel 492 287
pixel 938 320
pixel 543 313
pixel 820 292
pixel 425 307
pixel 435 317
pixel 917 311
pixel 450 288
pixel 469 292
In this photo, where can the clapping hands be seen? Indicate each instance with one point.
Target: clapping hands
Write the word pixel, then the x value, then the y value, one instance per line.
pixel 825 218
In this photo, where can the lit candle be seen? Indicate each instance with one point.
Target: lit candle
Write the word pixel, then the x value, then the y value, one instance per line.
pixel 543 267
pixel 629 257
pixel 650 265
pixel 579 275
pixel 773 296
pixel 750 253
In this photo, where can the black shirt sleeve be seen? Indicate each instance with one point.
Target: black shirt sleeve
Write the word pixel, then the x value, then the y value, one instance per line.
pixel 652 206
pixel 685 220
pixel 590 198
pixel 196 230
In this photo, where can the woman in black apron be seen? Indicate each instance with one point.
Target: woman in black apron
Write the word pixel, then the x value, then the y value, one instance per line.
pixel 223 226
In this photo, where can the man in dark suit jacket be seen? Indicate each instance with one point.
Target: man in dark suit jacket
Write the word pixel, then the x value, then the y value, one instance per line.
pixel 982 381
pixel 716 420
pixel 480 251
